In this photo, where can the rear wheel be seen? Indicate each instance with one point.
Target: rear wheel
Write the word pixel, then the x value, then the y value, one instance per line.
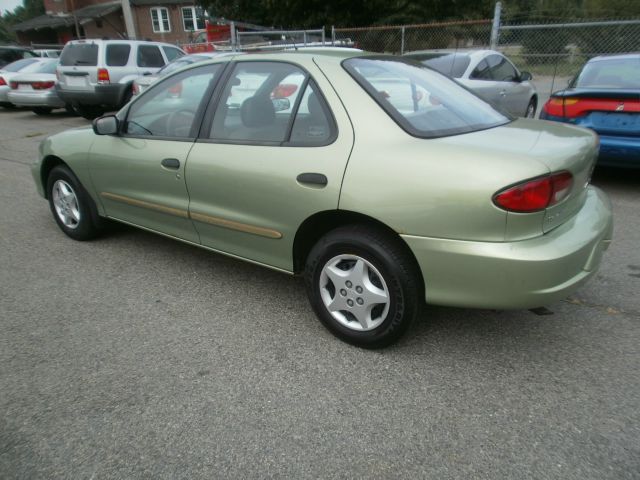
pixel 71 206
pixel 531 109
pixel 41 110
pixel 69 108
pixel 89 112
pixel 363 285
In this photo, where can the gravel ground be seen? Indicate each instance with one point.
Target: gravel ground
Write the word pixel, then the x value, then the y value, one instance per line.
pixel 134 356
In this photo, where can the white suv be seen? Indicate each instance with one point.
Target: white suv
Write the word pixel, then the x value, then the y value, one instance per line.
pixel 96 75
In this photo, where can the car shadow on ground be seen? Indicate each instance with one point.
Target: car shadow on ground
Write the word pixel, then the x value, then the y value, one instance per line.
pixel 620 178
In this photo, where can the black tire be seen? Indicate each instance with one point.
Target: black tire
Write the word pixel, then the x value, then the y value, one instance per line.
pixel 531 109
pixel 89 224
pixel 392 261
pixel 70 110
pixel 90 112
pixel 41 110
pixel 7 105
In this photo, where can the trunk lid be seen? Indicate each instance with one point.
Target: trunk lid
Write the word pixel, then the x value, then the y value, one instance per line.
pixel 78 68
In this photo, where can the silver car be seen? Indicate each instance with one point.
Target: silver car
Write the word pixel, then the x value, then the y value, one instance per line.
pixel 489 74
pixel 35 89
pixel 96 75
pixel 11 70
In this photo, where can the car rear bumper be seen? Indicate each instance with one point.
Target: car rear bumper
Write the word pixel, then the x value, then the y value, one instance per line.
pixel 4 90
pixel 112 95
pixel 523 274
pixel 35 99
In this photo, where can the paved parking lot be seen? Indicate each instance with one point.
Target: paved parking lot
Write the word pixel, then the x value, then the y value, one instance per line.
pixel 134 356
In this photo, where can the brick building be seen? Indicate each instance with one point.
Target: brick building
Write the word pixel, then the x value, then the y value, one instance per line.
pixel 172 21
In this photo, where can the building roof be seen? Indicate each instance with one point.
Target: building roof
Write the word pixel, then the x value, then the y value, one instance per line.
pixel 83 15
pixel 154 3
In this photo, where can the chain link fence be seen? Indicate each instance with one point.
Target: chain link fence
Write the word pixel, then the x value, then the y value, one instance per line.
pixel 407 38
pixel 553 52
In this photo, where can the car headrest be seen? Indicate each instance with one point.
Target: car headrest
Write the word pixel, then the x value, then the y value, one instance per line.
pixel 315 108
pixel 257 112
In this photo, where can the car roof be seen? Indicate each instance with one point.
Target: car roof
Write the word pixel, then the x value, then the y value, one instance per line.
pixel 624 56
pixel 293 55
pixel 459 51
pixel 118 40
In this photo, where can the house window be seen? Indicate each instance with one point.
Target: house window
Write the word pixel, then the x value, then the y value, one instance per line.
pixel 192 18
pixel 160 20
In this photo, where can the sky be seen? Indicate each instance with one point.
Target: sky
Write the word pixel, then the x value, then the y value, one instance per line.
pixel 9 5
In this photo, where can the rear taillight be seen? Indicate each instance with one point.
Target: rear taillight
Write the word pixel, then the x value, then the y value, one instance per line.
pixel 284 90
pixel 103 75
pixel 535 195
pixel 42 85
pixel 13 85
pixel 135 90
pixel 570 107
pixel 2 81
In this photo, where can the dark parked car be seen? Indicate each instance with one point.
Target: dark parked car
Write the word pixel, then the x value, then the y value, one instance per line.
pixel 10 54
pixel 605 97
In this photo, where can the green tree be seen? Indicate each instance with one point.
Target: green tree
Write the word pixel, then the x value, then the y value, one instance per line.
pixel 28 9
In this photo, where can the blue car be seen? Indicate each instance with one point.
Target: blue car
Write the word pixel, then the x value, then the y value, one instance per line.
pixel 605 97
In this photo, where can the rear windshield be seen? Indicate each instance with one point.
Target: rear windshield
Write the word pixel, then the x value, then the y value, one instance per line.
pixel 43 67
pixel 422 101
pixel 19 64
pixel 614 73
pixel 452 64
pixel 80 54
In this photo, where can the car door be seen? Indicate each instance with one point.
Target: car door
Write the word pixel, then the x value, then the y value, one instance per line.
pixel 481 82
pixel 139 174
pixel 272 152
pixel 514 94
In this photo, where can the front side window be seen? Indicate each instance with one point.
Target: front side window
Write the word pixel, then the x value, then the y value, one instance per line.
pixel 149 56
pixel 160 20
pixel 258 102
pixel 172 53
pixel 501 69
pixel 170 108
pixel 192 19
pixel 423 102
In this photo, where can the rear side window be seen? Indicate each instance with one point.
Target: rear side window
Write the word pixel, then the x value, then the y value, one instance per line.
pixel 150 56
pixel 313 125
pixel 79 54
pixel 423 102
pixel 453 65
pixel 118 54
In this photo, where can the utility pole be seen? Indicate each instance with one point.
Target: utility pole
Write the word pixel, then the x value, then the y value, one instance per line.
pixel 75 19
pixel 128 19
pixel 495 28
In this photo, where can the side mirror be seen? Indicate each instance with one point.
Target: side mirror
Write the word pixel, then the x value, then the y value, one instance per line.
pixel 525 76
pixel 107 125
pixel 281 104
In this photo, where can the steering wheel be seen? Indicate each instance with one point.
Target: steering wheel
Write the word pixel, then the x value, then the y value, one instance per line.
pixel 179 120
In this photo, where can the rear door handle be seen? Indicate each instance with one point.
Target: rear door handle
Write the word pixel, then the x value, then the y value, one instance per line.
pixel 313 179
pixel 172 163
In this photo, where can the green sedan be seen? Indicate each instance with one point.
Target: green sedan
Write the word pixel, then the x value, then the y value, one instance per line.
pixel 382 182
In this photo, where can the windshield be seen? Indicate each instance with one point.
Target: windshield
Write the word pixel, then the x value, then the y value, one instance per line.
pixel 613 73
pixel 79 54
pixel 422 101
pixel 452 64
pixel 19 65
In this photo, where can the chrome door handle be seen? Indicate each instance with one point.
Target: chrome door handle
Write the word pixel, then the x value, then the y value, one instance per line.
pixel 172 163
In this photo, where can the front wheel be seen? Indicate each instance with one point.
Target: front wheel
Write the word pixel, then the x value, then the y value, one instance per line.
pixel 531 109
pixel 71 205
pixel 363 285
